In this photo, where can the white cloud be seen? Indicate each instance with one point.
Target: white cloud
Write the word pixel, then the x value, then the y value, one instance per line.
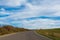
pixel 45 8
pixel 41 24
pixel 3 12
pixel 37 10
pixel 12 3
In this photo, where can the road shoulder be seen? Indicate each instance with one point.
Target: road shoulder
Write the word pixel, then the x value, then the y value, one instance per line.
pixel 41 35
pixel 7 35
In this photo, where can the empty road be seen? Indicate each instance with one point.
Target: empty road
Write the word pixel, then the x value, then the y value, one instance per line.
pixel 28 35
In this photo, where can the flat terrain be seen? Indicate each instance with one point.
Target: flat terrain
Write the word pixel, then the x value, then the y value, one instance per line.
pixel 51 33
pixel 28 35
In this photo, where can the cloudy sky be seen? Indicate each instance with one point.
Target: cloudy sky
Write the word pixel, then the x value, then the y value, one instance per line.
pixel 31 14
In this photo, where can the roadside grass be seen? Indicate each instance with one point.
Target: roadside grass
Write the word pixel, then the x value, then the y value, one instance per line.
pixel 50 33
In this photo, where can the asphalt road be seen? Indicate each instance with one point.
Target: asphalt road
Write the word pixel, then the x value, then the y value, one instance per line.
pixel 28 35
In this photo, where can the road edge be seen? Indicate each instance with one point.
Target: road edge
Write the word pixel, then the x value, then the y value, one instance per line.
pixel 7 35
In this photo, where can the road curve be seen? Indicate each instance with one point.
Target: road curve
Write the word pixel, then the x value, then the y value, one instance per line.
pixel 28 35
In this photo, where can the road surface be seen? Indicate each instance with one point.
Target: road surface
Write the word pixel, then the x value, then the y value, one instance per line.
pixel 28 35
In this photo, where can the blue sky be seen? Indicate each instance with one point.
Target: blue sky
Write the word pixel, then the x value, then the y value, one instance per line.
pixel 31 14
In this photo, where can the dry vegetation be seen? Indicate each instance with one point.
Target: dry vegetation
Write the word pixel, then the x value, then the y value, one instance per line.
pixel 10 29
pixel 51 33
